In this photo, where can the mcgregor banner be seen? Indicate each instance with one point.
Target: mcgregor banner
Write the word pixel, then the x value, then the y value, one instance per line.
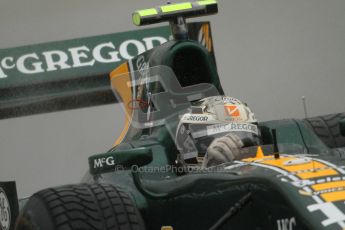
pixel 74 73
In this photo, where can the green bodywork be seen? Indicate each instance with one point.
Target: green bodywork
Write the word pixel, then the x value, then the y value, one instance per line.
pixel 254 196
pixel 198 200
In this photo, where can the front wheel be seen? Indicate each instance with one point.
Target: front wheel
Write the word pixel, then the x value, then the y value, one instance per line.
pixel 80 206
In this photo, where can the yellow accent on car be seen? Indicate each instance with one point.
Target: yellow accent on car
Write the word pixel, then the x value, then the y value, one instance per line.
pixel 167 228
pixel 304 193
pixel 328 185
pixel 176 7
pixel 147 12
pixel 136 17
pixel 307 170
pixel 259 153
pixel 333 196
pixel 207 2
pixel 118 79
pixel 321 173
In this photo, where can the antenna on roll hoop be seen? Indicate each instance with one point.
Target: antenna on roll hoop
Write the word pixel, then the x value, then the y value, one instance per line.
pixel 275 144
pixel 304 107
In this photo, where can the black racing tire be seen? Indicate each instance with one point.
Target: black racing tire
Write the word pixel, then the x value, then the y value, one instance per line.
pixel 327 129
pixel 80 207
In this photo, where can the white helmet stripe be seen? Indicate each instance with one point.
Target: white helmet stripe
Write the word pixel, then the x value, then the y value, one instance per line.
pixel 198 119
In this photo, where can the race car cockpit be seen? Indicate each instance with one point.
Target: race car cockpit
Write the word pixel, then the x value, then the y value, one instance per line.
pixel 184 120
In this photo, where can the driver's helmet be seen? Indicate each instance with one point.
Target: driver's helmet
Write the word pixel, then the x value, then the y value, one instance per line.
pixel 214 117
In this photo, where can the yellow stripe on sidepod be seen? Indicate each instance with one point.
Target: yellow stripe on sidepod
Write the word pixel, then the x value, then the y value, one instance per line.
pixel 333 196
pixel 308 170
pixel 312 169
pixel 320 173
pixel 328 185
